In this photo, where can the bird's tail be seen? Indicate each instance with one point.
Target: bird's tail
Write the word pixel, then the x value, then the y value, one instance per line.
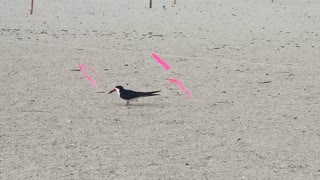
pixel 152 93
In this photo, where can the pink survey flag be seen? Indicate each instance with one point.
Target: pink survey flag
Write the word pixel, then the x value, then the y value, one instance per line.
pixel 165 65
pixel 90 79
pixel 179 83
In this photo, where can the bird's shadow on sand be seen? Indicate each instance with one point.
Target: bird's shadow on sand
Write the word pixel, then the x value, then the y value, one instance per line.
pixel 132 105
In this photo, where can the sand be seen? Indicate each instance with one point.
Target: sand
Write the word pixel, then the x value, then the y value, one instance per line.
pixel 252 67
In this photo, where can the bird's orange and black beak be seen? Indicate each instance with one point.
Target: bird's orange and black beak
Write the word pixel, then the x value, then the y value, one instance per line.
pixel 113 90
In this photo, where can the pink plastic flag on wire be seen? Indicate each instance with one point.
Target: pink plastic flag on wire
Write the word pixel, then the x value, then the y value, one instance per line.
pixel 165 65
pixel 172 80
pixel 90 79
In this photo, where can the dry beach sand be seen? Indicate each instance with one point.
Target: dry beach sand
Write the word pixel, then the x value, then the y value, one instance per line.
pixel 252 66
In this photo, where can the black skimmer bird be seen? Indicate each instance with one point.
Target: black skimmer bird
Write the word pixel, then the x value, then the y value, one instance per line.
pixel 129 94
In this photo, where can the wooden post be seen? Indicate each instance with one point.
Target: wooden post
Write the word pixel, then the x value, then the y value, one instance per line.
pixel 31 10
pixel 150 4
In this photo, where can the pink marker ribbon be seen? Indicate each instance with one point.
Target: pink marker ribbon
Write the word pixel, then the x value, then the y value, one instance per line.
pixel 172 80
pixel 90 79
pixel 165 65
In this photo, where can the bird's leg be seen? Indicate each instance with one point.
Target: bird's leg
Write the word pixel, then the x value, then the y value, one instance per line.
pixel 127 103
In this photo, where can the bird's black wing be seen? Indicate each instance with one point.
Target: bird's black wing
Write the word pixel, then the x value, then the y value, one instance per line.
pixel 152 93
pixel 129 94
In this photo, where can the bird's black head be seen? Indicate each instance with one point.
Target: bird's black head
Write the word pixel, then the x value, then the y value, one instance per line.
pixel 119 87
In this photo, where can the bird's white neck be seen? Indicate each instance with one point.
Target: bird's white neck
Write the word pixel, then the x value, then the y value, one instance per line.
pixel 118 91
